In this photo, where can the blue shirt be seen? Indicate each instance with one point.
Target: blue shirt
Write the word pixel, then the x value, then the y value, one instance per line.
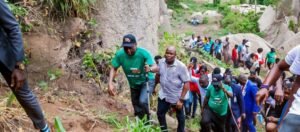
pixel 249 93
pixel 218 48
pixel 11 43
pixel 206 47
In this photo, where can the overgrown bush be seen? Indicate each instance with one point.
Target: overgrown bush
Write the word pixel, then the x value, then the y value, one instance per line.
pixel 67 8
pixel 241 23
pixel 292 25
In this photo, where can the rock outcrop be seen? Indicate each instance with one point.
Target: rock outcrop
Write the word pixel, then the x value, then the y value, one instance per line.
pixel 291 43
pixel 139 17
pixel 255 41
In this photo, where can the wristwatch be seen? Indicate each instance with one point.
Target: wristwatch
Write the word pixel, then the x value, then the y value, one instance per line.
pixel 20 66
pixel 150 69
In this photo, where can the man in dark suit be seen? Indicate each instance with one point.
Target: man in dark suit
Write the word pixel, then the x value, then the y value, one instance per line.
pixel 12 67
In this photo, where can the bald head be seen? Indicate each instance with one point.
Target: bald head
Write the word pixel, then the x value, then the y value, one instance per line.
pixel 170 55
pixel 242 79
pixel 171 49
pixel 204 81
pixel 204 78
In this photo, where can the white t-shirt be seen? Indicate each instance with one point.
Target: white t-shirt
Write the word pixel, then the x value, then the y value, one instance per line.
pixel 293 59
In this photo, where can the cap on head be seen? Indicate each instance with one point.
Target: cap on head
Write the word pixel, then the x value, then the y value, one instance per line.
pixel 128 40
pixel 216 79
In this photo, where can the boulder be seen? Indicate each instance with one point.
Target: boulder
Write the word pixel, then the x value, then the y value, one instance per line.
pixel 278 34
pixel 164 19
pixel 291 43
pixel 296 7
pixel 212 16
pixel 256 42
pixel 117 18
pixel 197 16
pixel 267 18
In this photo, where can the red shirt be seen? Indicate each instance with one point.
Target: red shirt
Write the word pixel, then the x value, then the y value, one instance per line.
pixel 234 54
pixel 193 85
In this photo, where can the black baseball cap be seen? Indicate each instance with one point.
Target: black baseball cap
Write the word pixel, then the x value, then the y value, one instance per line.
pixel 128 40
pixel 216 79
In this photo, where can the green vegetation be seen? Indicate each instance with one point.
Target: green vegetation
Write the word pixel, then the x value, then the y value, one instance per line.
pixel 21 14
pixel 69 8
pixel 129 125
pixel 173 40
pixel 267 2
pixel 292 25
pixel 43 85
pixel 241 23
pixel 96 64
pixel 11 99
pixel 58 125
pixel 193 124
pixel 54 74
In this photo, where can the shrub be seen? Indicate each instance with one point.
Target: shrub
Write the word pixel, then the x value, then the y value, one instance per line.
pixel 67 8
pixel 292 25
pixel 241 23
pixel 20 13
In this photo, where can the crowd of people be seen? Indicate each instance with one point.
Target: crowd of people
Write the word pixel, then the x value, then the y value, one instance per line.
pixel 239 56
pixel 228 103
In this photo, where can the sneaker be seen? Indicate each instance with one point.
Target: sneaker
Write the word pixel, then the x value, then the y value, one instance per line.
pixel 45 129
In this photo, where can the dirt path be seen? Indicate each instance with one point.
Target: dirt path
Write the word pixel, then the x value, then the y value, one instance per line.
pixel 79 107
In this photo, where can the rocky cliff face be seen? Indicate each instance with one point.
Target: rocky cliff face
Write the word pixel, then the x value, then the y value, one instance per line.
pixel 119 17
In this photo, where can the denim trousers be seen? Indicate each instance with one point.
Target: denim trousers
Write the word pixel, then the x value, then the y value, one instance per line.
pixel 139 99
pixel 27 99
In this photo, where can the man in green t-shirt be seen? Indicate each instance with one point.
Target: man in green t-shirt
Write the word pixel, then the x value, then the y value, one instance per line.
pixel 135 62
pixel 270 58
pixel 215 106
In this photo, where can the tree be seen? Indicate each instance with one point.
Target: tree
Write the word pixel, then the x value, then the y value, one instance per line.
pixel 216 2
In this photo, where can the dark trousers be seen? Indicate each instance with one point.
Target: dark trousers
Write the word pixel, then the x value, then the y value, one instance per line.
pixel 219 56
pixel 195 103
pixel 235 63
pixel 187 104
pixel 231 125
pixel 27 99
pixel 212 121
pixel 258 70
pixel 139 99
pixel 162 110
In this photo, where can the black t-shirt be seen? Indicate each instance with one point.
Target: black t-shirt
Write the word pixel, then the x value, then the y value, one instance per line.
pixel 275 112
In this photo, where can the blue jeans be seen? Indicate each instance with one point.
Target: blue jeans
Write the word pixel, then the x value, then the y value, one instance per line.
pixel 290 123
pixel 27 100
pixel 139 99
pixel 195 103
pixel 187 104
pixel 162 110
